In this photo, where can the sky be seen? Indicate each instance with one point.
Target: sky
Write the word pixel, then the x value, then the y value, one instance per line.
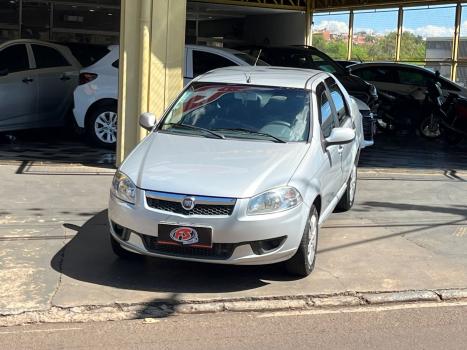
pixel 436 21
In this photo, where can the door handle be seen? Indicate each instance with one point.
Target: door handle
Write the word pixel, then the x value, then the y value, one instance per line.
pixel 64 77
pixel 28 80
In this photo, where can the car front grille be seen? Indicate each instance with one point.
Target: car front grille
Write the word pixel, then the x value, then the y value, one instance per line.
pixel 206 206
pixel 220 251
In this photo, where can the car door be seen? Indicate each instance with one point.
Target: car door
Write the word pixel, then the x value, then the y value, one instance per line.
pixel 383 77
pixel 18 88
pixel 332 179
pixel 57 79
pixel 341 111
pixel 409 80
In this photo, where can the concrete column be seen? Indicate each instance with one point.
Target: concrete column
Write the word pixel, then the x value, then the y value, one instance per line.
pixel 152 44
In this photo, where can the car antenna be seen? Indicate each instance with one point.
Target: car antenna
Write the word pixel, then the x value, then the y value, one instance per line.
pixel 257 57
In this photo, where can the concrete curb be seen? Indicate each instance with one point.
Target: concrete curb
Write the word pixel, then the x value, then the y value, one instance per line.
pixel 116 312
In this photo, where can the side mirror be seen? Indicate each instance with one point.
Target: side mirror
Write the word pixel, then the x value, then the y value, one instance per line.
pixel 147 120
pixel 3 72
pixel 340 136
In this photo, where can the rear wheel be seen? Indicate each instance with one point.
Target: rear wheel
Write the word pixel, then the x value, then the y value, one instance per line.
pixel 101 126
pixel 303 262
pixel 348 198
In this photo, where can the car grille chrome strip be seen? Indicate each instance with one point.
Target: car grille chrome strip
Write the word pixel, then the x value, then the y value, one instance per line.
pixel 206 206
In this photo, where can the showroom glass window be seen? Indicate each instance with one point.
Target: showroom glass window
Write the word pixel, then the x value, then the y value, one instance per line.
pixel 204 62
pixel 47 57
pixel 374 35
pixel 428 35
pixel 330 33
pixel 14 58
pixel 9 20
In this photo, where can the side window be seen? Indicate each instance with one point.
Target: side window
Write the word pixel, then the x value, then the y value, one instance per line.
pixel 116 64
pixel 47 57
pixel 205 61
pixel 326 118
pixel 322 63
pixel 375 74
pixel 14 58
pixel 339 103
pixel 412 77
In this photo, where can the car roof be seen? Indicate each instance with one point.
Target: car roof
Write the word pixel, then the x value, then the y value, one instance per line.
pixel 32 41
pixel 389 64
pixel 262 76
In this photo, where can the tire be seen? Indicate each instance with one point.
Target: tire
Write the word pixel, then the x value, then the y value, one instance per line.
pixel 121 252
pixel 453 138
pixel 303 262
pixel 348 199
pixel 104 119
pixel 429 131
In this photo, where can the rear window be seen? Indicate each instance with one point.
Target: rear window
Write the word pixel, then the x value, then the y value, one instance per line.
pixel 250 59
pixel 48 57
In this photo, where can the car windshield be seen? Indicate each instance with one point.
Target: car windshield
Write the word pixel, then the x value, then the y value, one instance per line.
pixel 275 114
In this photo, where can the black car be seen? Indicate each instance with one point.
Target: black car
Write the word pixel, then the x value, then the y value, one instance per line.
pixel 309 57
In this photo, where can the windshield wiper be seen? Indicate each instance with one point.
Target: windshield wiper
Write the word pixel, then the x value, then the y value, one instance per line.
pixel 192 127
pixel 252 132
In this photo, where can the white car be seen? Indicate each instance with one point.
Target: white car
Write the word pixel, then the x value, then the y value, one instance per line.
pixel 37 80
pixel 96 97
pixel 254 160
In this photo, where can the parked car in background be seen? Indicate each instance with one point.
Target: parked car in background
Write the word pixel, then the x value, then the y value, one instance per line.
pixel 403 90
pixel 37 80
pixel 402 78
pixel 96 97
pixel 254 160
pixel 311 58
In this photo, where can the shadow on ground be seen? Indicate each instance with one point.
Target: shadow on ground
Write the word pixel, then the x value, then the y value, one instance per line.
pixel 89 258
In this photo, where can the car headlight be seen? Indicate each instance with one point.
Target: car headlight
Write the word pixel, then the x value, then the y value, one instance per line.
pixel 272 201
pixel 123 188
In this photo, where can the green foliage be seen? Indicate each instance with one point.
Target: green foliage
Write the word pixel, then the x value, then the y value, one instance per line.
pixel 376 48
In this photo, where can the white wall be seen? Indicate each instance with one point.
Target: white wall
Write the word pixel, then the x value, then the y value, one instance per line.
pixel 276 30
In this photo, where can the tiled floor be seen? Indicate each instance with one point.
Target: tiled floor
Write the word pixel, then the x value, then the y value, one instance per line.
pixel 395 151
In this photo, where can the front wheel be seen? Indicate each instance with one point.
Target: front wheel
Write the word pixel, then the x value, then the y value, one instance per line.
pixel 303 262
pixel 430 127
pixel 101 126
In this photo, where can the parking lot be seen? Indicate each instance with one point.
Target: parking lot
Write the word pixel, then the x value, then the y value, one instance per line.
pixel 407 231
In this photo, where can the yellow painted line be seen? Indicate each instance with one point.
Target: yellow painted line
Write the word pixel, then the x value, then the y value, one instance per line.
pixel 51 330
pixel 368 308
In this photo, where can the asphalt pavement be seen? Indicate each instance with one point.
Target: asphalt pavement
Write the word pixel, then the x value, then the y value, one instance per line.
pixel 402 327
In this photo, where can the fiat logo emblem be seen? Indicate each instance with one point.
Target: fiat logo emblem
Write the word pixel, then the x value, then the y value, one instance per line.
pixel 188 203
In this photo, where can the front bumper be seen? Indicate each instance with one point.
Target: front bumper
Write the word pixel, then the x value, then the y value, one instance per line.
pixel 235 237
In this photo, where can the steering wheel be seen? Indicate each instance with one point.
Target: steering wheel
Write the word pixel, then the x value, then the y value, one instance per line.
pixel 278 122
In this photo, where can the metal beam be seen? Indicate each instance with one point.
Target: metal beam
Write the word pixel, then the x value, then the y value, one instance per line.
pixel 400 23
pixel 456 41
pixel 334 5
pixel 297 5
pixel 350 37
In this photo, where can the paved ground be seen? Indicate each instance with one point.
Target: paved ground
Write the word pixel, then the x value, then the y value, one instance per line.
pixel 403 327
pixel 408 230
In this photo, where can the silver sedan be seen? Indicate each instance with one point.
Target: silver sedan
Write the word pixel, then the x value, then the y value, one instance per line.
pixel 242 169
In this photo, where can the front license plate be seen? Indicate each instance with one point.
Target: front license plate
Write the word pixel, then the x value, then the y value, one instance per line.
pixel 185 236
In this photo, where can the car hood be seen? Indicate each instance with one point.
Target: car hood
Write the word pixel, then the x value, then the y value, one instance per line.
pixel 212 167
